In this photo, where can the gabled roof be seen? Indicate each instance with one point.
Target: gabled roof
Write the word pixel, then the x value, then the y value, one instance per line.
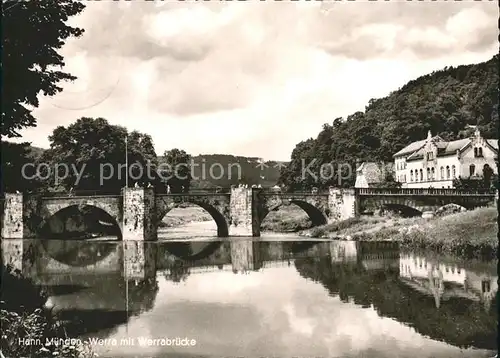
pixel 416 149
pixel 493 143
pixel 455 145
pixel 410 148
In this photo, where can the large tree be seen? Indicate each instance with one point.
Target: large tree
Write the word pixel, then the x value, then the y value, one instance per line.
pixel 176 170
pixel 33 32
pixel 14 157
pixel 96 149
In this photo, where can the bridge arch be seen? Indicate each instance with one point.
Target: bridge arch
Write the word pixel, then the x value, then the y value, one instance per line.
pixel 82 214
pixel 406 210
pixel 315 214
pixel 184 250
pixel 79 254
pixel 215 212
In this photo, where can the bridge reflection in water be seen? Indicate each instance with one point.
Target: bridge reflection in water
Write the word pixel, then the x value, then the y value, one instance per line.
pixel 97 287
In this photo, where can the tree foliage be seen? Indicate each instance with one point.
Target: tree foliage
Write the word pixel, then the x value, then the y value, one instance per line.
pixel 484 183
pixel 445 102
pixel 14 158
pixel 33 33
pixel 96 149
pixel 177 170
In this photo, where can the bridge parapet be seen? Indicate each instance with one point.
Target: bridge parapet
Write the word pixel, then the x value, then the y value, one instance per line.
pixel 237 213
pixel 423 192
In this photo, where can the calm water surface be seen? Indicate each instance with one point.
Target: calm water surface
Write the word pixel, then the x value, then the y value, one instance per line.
pixel 268 297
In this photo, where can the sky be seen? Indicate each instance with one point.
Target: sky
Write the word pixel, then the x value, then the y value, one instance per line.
pixel 253 78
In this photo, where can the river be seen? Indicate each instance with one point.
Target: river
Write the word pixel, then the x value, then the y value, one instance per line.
pixel 193 295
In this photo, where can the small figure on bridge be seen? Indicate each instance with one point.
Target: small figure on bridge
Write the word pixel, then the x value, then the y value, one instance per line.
pixel 136 185
pixel 149 185
pixel 168 189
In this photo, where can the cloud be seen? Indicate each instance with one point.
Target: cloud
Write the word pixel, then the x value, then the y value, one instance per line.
pixel 253 78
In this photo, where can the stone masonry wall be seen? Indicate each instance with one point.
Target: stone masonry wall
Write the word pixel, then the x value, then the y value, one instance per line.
pixel 138 214
pixel 12 227
pixel 241 218
pixel 343 204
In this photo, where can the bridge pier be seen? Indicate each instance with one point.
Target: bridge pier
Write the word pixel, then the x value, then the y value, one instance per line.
pixel 13 223
pixel 243 208
pixel 342 203
pixel 139 214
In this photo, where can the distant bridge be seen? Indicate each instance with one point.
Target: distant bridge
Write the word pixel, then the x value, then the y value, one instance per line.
pixel 238 211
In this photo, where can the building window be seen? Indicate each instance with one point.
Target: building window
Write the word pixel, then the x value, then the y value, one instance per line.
pixel 472 169
pixel 421 175
pixel 447 172
pixel 433 174
pixel 485 285
pixel 428 174
pixel 411 175
pixel 442 173
pixel 453 172
pixel 430 155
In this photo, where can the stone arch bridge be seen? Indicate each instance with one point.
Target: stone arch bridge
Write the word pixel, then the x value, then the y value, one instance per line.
pixel 238 212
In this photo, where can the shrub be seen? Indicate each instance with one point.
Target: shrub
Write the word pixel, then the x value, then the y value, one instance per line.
pixel 24 319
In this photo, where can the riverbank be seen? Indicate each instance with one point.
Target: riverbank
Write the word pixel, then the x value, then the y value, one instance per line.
pixel 27 325
pixel 285 220
pixel 465 234
pixel 185 215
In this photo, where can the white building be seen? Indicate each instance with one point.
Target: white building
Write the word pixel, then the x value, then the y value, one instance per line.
pixel 434 162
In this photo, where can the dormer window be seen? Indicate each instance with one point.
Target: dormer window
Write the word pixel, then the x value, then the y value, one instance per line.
pixel 478 152
pixel 430 156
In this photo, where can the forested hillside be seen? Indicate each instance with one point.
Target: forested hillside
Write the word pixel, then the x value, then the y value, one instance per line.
pixel 224 170
pixel 445 102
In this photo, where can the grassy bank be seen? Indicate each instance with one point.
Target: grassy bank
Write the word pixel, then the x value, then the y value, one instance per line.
pixel 467 234
pixel 185 215
pixel 287 219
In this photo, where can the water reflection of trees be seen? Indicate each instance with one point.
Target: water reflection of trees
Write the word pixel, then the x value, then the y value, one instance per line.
pixel 458 321
pixel 104 304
